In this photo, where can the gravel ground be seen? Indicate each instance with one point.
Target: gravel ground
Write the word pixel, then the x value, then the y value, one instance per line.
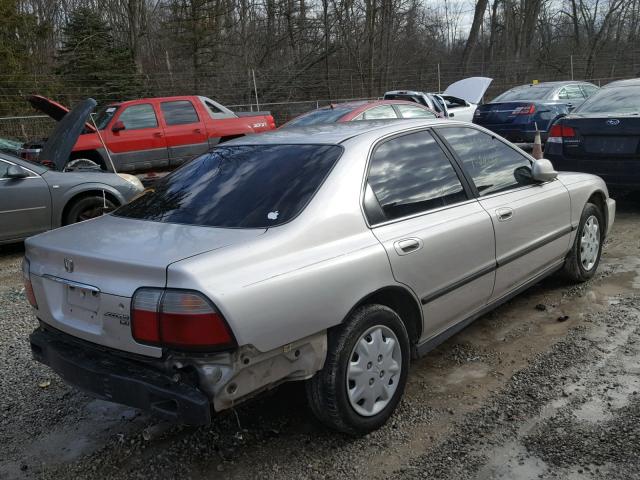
pixel 517 395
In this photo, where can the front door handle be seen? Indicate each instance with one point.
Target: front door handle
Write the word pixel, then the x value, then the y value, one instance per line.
pixel 157 134
pixel 407 245
pixel 197 130
pixel 504 214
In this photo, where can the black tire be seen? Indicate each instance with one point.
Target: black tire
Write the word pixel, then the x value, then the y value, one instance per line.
pixel 88 207
pixel 573 265
pixel 327 390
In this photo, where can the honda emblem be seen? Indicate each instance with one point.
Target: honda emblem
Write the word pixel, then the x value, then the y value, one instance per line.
pixel 613 122
pixel 68 265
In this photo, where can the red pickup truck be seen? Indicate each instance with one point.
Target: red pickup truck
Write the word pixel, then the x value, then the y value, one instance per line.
pixel 152 133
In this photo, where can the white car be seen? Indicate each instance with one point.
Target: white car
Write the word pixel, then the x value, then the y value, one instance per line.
pixel 458 101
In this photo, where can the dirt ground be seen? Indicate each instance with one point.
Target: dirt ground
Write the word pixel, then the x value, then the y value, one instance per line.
pixel 519 394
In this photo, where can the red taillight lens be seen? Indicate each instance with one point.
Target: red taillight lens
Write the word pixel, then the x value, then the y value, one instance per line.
pixel 561 131
pixel 526 110
pixel 179 319
pixel 28 287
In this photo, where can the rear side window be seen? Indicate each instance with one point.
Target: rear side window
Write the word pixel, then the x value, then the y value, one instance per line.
pixel 493 165
pixel 589 89
pixel 244 186
pixel 378 113
pixel 411 174
pixel 411 111
pixel 180 112
pixel 571 92
pixel 137 117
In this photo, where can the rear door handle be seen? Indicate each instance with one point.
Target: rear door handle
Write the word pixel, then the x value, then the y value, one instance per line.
pixel 197 130
pixel 407 246
pixel 504 214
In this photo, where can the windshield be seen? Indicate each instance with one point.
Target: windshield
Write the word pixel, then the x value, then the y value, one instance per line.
pixel 520 93
pixel 245 186
pixel 104 116
pixel 322 115
pixel 624 100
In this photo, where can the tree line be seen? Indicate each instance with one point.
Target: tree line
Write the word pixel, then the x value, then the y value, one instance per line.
pixel 303 49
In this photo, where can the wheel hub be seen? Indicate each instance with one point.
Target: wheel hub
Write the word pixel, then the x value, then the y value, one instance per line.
pixel 590 243
pixel 373 372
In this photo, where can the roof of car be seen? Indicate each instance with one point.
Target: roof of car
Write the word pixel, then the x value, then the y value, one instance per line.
pixel 630 82
pixel 332 133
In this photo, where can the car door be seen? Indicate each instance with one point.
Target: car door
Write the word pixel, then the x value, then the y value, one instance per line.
pixel 185 131
pixel 25 204
pixel 438 239
pixel 532 221
pixel 140 145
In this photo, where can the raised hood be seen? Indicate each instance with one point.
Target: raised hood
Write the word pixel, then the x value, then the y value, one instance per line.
pixel 119 255
pixel 59 145
pixel 471 89
pixel 52 108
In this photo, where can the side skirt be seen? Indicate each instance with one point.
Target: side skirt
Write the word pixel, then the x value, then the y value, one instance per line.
pixel 425 347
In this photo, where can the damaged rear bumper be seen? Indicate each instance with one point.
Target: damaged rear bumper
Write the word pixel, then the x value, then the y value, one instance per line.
pixel 120 380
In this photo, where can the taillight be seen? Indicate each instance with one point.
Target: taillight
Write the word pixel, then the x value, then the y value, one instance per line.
pixel 180 319
pixel 558 132
pixel 28 287
pixel 526 110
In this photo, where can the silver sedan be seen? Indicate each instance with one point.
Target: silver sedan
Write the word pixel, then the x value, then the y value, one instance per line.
pixel 331 255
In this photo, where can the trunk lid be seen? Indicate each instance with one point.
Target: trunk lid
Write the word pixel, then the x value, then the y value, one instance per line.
pixel 84 275
pixel 603 136
pixel 506 113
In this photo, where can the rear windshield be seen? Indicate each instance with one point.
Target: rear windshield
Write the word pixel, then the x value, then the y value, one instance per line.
pixel 527 93
pixel 624 100
pixel 244 186
pixel 323 115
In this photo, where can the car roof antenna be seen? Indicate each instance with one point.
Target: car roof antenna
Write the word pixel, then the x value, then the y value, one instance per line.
pixel 93 121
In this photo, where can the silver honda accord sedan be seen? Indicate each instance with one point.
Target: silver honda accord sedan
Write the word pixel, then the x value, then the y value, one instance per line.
pixel 332 254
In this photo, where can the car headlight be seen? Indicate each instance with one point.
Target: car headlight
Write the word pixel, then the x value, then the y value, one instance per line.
pixel 133 180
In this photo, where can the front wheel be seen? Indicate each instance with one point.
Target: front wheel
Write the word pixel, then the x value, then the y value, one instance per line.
pixel 87 208
pixel 583 259
pixel 365 372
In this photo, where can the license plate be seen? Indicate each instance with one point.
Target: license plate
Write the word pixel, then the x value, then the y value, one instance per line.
pixel 611 145
pixel 82 298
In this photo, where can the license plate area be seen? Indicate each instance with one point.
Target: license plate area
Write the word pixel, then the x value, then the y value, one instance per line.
pixel 603 145
pixel 82 305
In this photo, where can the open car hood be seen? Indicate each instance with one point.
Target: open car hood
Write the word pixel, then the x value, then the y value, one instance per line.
pixel 58 147
pixel 470 89
pixel 52 108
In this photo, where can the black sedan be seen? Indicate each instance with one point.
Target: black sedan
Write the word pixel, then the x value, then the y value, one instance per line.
pixel 515 113
pixel 602 136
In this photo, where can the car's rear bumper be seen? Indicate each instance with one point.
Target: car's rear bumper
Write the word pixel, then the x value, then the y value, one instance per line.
pixel 120 380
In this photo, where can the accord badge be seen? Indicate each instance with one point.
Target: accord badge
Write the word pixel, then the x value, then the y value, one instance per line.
pixel 613 122
pixel 68 265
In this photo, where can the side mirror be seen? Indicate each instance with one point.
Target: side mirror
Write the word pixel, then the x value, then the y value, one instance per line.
pixel 543 171
pixel 16 171
pixel 118 126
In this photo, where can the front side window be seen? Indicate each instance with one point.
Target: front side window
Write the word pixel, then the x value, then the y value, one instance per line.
pixel 378 113
pixel 180 112
pixel 411 111
pixel 243 186
pixel 493 165
pixel 411 174
pixel 137 117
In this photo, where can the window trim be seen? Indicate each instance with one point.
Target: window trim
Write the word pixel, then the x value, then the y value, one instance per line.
pixel 468 176
pixel 365 179
pixel 164 117
pixel 123 110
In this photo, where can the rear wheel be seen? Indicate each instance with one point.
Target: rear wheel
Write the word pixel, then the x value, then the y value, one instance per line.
pixel 365 372
pixel 584 257
pixel 87 208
